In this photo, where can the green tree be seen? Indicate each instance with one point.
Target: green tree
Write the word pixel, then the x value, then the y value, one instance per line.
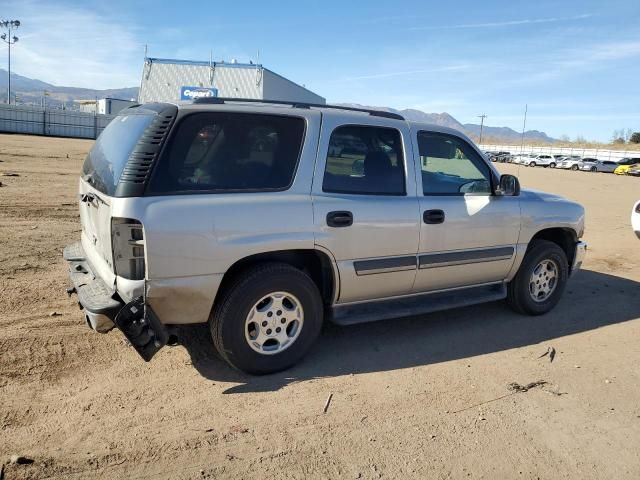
pixel 635 137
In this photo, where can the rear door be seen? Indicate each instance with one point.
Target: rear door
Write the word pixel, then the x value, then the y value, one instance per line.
pixel 468 235
pixel 365 205
pixel 101 175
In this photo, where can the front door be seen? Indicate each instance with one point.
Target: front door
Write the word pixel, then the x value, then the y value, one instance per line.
pixel 468 235
pixel 365 206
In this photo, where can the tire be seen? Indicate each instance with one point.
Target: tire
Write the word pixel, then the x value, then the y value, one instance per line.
pixel 532 164
pixel 574 167
pixel 552 165
pixel 594 169
pixel 228 320
pixel 519 295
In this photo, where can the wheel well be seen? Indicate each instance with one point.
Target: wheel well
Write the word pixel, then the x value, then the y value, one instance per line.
pixel 565 238
pixel 314 263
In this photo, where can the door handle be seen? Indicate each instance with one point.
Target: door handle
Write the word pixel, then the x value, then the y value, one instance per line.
pixel 340 218
pixel 432 217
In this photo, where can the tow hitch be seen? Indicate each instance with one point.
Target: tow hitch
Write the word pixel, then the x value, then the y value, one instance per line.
pixel 142 328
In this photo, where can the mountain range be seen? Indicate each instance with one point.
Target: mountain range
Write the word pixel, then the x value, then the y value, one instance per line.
pixel 490 134
pixel 31 91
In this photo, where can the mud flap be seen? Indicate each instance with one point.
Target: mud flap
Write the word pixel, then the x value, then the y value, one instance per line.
pixel 142 328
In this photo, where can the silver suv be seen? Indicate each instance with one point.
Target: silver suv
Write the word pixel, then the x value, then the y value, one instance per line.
pixel 263 219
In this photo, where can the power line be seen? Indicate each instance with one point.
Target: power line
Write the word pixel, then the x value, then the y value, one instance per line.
pixel 10 39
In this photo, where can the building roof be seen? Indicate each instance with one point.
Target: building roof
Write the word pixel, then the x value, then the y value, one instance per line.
pixel 214 64
pixel 203 63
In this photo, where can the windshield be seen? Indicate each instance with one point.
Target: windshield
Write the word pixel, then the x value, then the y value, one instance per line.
pixel 106 160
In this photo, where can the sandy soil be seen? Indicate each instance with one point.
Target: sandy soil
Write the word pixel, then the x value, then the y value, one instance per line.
pixel 421 397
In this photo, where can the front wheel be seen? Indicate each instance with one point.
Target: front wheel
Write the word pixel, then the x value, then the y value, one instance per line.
pixel 532 164
pixel 552 165
pixel 574 167
pixel 594 169
pixel 541 279
pixel 267 319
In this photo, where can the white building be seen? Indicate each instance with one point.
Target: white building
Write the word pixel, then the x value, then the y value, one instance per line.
pixel 104 106
pixel 172 81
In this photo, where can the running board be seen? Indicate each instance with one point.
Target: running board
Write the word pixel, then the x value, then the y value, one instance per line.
pixel 416 305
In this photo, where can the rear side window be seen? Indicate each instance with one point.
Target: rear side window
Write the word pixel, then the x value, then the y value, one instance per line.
pixel 108 157
pixel 365 160
pixel 227 152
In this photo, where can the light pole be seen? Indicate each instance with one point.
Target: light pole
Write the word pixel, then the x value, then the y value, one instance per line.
pixel 9 40
pixel 481 117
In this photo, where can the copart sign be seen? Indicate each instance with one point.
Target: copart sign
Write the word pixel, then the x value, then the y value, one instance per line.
pixel 191 93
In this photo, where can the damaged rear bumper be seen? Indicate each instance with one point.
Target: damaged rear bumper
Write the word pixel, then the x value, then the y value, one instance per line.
pixel 104 309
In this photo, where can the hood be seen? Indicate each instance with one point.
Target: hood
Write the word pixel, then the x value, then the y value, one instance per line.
pixel 532 194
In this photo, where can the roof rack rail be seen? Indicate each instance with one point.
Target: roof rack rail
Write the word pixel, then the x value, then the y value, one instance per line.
pixel 220 101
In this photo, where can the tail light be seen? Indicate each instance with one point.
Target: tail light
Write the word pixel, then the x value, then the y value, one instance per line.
pixel 127 242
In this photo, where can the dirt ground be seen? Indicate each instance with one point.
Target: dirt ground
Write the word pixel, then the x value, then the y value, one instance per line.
pixel 423 397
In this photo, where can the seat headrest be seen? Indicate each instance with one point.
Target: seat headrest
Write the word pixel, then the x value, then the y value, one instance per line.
pixel 377 164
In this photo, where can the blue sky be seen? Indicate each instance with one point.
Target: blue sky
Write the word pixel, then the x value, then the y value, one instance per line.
pixel 576 63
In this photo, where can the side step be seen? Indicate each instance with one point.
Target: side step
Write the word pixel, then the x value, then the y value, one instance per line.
pixel 416 305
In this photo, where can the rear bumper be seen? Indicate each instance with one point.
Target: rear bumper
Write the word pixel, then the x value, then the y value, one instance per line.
pixel 95 297
pixel 578 258
pixel 104 309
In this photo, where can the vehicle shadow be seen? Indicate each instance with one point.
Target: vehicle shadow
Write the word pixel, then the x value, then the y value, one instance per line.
pixel 592 300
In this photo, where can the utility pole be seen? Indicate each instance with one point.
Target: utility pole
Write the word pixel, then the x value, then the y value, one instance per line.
pixel 9 40
pixel 481 117
pixel 524 126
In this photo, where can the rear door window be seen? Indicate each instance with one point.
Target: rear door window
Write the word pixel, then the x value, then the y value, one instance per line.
pixel 365 160
pixel 228 152
pixel 108 157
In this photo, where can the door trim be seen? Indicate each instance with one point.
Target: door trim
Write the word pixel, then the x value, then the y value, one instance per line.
pixel 385 265
pixel 435 260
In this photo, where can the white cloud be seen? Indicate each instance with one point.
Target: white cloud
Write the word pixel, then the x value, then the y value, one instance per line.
pixel 507 23
pixel 71 46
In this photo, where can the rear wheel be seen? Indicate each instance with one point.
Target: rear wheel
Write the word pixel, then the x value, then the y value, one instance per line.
pixel 267 319
pixel 574 167
pixel 541 279
pixel 552 165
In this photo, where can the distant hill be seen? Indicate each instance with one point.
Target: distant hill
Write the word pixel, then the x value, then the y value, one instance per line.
pixel 30 91
pixel 503 134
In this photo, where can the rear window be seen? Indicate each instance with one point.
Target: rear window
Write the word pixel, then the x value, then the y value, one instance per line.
pixel 227 152
pixel 108 157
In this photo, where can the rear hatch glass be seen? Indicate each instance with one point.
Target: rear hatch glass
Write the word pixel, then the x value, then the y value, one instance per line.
pixel 108 157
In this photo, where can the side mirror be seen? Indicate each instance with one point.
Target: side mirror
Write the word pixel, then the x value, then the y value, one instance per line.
pixel 509 186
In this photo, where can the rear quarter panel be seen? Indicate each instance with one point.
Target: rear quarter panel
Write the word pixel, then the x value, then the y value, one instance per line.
pixel 192 240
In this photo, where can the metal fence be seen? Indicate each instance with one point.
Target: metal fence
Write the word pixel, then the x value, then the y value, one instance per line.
pixel 600 154
pixel 58 123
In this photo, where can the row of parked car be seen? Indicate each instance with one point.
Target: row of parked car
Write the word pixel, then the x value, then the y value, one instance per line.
pixel 625 166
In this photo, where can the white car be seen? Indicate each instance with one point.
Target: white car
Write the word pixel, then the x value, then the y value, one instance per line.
pixel 541 161
pixel 594 165
pixel 570 163
pixel 635 218
pixel 522 158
